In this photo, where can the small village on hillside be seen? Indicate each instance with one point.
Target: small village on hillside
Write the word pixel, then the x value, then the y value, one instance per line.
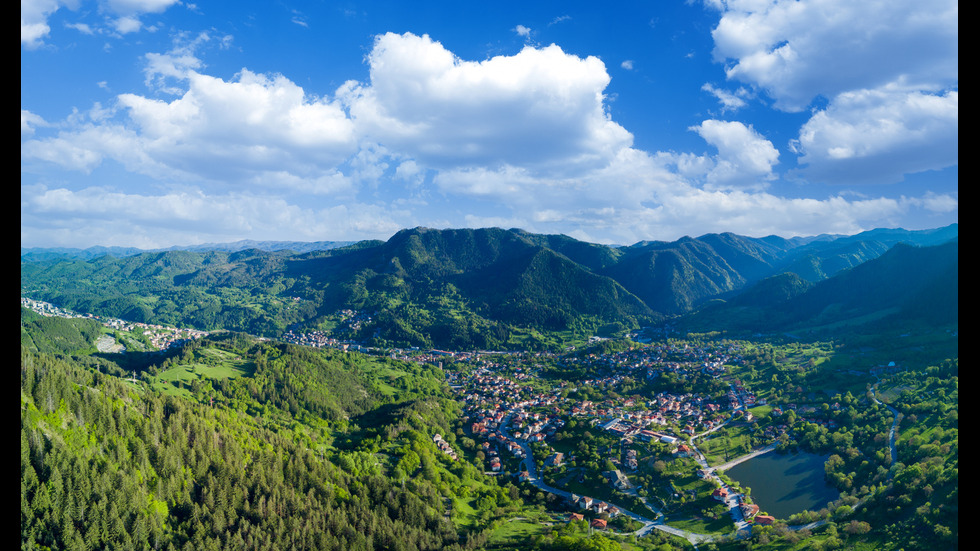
pixel 152 336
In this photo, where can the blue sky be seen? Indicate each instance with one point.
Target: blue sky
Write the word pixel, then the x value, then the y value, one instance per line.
pixel 153 123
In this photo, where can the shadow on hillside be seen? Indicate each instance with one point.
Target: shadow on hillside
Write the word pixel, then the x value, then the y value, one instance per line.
pixel 370 423
pixel 134 361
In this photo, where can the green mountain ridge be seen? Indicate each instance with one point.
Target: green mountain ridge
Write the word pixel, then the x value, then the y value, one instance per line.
pixel 233 441
pixel 453 288
pixel 906 282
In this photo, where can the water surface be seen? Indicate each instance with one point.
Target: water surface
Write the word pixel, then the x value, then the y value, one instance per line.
pixel 783 485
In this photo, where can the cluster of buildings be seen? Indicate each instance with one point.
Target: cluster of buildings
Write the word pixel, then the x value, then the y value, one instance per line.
pixel 316 339
pixel 749 511
pixel 48 309
pixel 444 446
pixel 596 506
pixel 651 361
pixel 351 322
pixel 631 420
pixel 739 394
pixel 596 523
pixel 490 398
pixel 159 336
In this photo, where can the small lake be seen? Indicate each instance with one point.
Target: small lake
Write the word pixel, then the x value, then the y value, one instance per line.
pixel 787 484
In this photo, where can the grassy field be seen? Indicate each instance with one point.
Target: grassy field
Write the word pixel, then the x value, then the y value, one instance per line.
pixel 725 444
pixel 890 395
pixel 208 363
pixel 384 374
pixel 515 532
pixel 690 516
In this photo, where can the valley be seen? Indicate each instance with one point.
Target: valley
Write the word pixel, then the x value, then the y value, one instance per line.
pixel 605 432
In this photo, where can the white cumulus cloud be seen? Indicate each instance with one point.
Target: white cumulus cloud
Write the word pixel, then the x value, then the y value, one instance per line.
pixel 877 136
pixel 796 50
pixel 744 157
pixel 254 128
pixel 539 109
pixel 110 217
pixel 34 19
pixel 730 101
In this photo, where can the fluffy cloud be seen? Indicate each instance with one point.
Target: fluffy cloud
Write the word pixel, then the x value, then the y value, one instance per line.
pixel 541 109
pixel 887 69
pixel 641 196
pixel 877 136
pixel 283 135
pixel 797 50
pixel 730 101
pixel 744 157
pixel 189 217
pixel 123 16
pixel 522 140
pixel 34 19
pixel 29 121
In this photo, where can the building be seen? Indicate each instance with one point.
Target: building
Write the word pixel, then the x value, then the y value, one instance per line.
pixel 749 510
pixel 619 480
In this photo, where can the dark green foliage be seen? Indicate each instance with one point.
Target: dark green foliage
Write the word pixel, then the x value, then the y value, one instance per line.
pixel 57 335
pixel 906 284
pixel 467 289
pixel 106 466
pixel 896 279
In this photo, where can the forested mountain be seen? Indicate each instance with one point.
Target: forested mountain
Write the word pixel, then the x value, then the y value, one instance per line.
pixel 917 284
pixel 247 462
pixel 456 288
pixel 234 441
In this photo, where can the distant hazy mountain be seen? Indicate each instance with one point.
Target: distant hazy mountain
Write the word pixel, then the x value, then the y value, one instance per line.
pixel 34 254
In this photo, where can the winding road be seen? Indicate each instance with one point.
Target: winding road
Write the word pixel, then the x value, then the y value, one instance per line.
pixel 658 524
pixel 891 433
pixel 648 524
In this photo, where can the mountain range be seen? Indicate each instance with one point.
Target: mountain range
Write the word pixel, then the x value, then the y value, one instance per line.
pixel 33 254
pixel 475 288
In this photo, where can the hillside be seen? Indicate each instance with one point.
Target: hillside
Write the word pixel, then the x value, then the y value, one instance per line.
pixel 259 456
pixel 900 279
pixel 905 284
pixel 232 441
pixel 454 288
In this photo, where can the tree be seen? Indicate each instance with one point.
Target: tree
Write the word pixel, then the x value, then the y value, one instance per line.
pixel 857 528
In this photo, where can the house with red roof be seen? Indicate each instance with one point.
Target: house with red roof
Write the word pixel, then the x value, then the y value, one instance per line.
pixel 749 510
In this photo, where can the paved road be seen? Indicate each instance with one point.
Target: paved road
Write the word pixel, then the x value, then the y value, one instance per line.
pixel 891 433
pixel 648 524
pixel 737 460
